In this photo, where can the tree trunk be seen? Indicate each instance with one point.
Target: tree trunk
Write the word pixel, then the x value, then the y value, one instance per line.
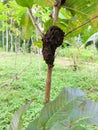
pixel 6 37
pixel 48 83
pixel 3 35
pixel 3 40
pixel 11 37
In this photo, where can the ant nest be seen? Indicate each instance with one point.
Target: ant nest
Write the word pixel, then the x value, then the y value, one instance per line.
pixel 52 39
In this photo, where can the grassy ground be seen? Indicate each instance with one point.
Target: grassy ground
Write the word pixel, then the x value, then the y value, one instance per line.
pixel 22 78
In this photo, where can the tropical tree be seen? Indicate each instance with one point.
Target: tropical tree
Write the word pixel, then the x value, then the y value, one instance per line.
pixel 66 17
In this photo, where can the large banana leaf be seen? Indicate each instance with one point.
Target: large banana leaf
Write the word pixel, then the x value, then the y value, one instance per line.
pixel 83 7
pixel 69 111
pixel 81 11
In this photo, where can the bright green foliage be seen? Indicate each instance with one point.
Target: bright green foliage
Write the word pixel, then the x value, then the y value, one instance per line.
pixel 3 9
pixel 16 12
pixel 71 15
pixel 3 16
pixel 27 27
pixel 69 110
pixel 31 85
pixel 47 24
pixel 44 3
pixel 29 3
pixel 38 43
pixel 82 7
pixel 25 3
pixel 81 10
pixel 11 12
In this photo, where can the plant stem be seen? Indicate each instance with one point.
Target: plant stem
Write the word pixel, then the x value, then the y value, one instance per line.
pixel 56 10
pixel 48 83
pixel 34 23
pixel 56 13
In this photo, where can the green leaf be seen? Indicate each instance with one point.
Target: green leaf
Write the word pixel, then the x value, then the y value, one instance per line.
pixel 25 3
pixel 29 3
pixel 44 3
pixel 81 11
pixel 60 108
pixel 27 27
pixel 47 24
pixel 16 120
pixel 33 125
pixel 82 7
pixel 38 43
pixel 70 110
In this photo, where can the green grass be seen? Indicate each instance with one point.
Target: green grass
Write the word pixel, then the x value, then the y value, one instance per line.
pixel 31 82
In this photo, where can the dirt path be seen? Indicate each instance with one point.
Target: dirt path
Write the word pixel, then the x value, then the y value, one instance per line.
pixel 63 62
pixel 68 62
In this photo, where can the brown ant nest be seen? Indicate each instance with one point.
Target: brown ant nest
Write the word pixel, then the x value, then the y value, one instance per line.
pixel 52 39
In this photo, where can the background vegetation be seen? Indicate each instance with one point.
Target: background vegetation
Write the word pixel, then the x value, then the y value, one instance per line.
pixel 30 83
pixel 22 69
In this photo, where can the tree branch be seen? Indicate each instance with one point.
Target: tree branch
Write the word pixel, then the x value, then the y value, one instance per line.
pixel 34 23
pixel 95 17
pixel 57 6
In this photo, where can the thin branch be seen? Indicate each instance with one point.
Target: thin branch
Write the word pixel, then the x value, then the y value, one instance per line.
pixel 95 17
pixel 56 13
pixel 57 6
pixel 34 23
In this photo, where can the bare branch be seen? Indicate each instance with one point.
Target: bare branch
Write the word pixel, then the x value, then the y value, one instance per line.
pixel 95 17
pixel 56 13
pixel 34 23
pixel 57 6
pixel 56 10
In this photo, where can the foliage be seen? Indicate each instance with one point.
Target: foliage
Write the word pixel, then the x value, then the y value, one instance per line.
pixel 27 87
pixel 86 55
pixel 85 8
pixel 27 27
pixel 69 110
pixel 16 122
pixel 42 10
pixel 26 3
pixel 29 3
pixel 77 13
pixel 71 15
